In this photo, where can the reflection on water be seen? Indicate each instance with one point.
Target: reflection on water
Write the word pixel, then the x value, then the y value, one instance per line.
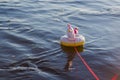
pixel 71 52
pixel 68 50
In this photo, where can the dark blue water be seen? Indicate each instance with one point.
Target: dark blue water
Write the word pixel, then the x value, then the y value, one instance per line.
pixel 30 31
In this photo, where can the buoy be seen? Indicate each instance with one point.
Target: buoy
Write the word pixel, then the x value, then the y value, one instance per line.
pixel 72 38
pixel 70 42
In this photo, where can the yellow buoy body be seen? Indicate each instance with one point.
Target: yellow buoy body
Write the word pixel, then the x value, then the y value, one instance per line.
pixel 79 40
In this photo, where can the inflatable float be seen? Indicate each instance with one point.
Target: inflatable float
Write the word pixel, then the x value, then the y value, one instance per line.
pixel 72 38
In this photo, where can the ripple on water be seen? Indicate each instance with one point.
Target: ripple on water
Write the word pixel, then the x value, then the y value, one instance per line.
pixel 30 33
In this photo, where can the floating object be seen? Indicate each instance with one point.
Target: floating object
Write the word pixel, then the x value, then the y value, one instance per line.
pixel 72 38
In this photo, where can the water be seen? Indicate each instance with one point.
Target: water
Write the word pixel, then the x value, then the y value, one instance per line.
pixel 30 31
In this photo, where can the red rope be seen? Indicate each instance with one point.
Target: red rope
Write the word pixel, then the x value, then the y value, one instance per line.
pixel 114 77
pixel 87 66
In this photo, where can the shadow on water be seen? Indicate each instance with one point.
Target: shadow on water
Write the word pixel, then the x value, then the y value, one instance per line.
pixel 71 52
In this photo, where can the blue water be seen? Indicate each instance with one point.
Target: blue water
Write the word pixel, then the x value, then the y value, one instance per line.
pixel 30 31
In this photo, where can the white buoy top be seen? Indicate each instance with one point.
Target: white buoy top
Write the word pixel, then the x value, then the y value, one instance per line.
pixel 73 38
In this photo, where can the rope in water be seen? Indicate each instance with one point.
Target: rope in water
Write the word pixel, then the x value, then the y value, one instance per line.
pixel 115 77
pixel 87 66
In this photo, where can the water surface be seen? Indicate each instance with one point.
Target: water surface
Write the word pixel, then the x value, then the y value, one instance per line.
pixel 30 31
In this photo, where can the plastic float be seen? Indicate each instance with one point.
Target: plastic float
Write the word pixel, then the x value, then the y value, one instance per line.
pixel 72 38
